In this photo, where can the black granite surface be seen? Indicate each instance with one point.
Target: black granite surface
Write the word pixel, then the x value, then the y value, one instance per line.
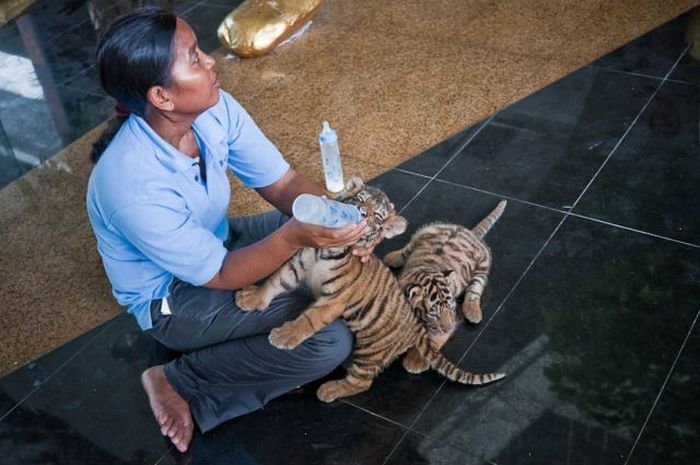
pixel 591 309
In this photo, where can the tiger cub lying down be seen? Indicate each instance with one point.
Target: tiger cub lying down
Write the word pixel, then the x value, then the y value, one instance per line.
pixel 366 295
pixel 441 262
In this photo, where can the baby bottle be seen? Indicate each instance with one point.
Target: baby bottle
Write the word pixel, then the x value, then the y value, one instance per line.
pixel 330 154
pixel 320 211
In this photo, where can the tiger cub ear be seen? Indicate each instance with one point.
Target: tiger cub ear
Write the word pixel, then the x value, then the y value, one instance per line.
pixel 413 293
pixel 450 275
pixel 394 226
pixel 352 187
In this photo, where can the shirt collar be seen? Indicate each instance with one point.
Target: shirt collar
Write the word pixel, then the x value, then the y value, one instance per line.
pixel 169 156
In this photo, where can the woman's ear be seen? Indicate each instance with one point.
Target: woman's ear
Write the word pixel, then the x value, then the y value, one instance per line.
pixel 159 98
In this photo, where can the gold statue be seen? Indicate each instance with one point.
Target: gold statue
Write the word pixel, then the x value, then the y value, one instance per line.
pixel 258 26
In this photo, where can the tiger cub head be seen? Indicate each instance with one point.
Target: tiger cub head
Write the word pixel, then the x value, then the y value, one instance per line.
pixel 379 213
pixel 433 301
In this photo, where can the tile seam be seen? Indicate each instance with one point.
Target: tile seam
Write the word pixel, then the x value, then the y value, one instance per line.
pixel 439 389
pixel 629 129
pixel 532 262
pixel 553 209
pixel 87 92
pixel 663 387
pixel 59 368
pixel 78 74
pixel 627 73
pixel 456 153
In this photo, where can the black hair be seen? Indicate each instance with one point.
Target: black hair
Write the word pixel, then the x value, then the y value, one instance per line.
pixel 133 55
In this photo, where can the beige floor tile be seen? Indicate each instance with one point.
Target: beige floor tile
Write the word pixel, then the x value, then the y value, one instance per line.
pixel 395 102
pixel 53 287
pixel 246 77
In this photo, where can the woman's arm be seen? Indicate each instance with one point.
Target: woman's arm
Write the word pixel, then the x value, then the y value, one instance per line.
pixel 282 193
pixel 250 264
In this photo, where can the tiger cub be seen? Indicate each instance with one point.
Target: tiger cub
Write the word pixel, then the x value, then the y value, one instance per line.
pixel 441 262
pixel 366 295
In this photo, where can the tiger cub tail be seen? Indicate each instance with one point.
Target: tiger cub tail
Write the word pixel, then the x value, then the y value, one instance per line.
pixel 485 225
pixel 449 370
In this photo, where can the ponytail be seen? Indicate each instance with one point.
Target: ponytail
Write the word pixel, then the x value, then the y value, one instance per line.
pixel 133 55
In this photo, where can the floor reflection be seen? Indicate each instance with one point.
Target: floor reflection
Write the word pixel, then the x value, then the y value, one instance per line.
pixel 49 91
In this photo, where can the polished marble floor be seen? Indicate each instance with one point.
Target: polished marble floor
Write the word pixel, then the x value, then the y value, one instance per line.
pixel 592 307
pixel 53 89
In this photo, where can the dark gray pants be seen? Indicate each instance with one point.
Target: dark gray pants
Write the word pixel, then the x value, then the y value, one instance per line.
pixel 228 367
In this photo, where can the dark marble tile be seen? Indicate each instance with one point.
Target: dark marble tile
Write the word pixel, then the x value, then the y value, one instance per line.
pixel 93 410
pixel 673 432
pixel 688 69
pixel 651 182
pixel 10 40
pixel 204 20
pixel 36 437
pixel 10 167
pixel 514 240
pixel 28 378
pixel 586 340
pixel 546 148
pixel 58 58
pixel 54 18
pixel 652 54
pixel 87 81
pixel 432 160
pixel 417 449
pixel 64 58
pixel 231 4
pixel 22 119
pixel 85 111
pixel 399 187
pixel 60 120
pixel 298 430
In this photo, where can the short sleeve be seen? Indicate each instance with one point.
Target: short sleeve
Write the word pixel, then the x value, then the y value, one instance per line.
pixel 252 157
pixel 173 240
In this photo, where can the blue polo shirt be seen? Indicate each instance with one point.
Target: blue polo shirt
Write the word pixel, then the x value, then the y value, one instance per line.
pixel 153 215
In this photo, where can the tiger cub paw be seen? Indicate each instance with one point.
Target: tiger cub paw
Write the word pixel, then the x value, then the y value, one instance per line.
pixel 394 259
pixel 414 363
pixel 286 337
pixel 252 298
pixel 328 391
pixel 472 311
pixel 332 390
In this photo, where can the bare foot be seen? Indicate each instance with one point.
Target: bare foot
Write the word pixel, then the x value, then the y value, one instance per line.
pixel 170 410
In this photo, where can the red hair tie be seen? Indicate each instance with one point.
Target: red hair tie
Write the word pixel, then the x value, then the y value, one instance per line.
pixel 122 112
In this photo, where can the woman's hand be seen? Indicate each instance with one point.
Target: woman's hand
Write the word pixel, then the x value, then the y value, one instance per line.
pixel 300 234
pixel 363 252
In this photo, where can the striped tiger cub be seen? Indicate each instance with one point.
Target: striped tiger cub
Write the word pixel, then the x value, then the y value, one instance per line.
pixel 440 263
pixel 366 295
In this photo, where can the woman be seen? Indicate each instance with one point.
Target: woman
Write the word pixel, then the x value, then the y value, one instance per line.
pixel 157 199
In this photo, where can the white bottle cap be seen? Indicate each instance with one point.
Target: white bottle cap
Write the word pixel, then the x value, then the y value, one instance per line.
pixel 327 134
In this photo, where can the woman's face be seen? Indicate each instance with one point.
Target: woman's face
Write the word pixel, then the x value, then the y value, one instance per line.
pixel 194 84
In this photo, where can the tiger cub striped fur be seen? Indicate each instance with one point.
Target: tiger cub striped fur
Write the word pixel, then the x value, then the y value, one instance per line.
pixel 441 262
pixel 366 295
